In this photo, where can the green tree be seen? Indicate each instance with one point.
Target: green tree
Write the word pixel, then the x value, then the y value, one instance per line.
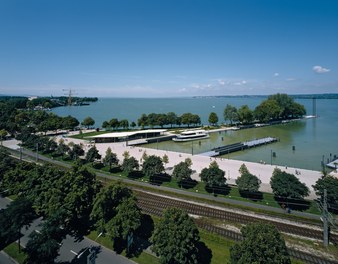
pixel 245 115
pixel 175 238
pixel 267 110
pixel 243 169
pixel 165 159
pixel 182 172
pixel 230 113
pixel 124 123
pixel 329 183
pixel 76 151
pixel 188 161
pixel 62 149
pixel 247 182
pixel 213 118
pixel 287 185
pixel 110 158
pixel 262 243
pixel 92 154
pixel 43 246
pixel 152 166
pixel 143 121
pixel 21 214
pixel 81 188
pixel 126 221
pixel 130 164
pixel 106 202
pixel 69 122
pixel 114 123
pixel 88 122
pixel 171 118
pixel 289 108
pixel 3 133
pixel 213 176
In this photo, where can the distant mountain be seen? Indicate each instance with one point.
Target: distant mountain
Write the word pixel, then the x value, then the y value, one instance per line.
pixel 295 96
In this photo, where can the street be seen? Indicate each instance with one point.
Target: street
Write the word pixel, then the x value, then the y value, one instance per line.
pixel 70 251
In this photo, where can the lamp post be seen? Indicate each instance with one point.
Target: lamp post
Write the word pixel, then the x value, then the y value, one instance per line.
pixel 271 158
pixel 192 148
pixel 37 152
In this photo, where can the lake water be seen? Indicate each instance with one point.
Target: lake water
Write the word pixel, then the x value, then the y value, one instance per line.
pixel 312 138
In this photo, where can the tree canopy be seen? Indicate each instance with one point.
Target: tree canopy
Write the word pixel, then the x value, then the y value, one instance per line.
pixel 245 114
pixel 329 183
pixel 287 185
pixel 43 246
pixel 152 165
pixel 175 238
pixel 213 176
pixel 247 181
pixel 88 122
pixel 230 113
pixel 213 118
pixel 106 202
pixel 182 172
pixel 262 243
pixel 130 164
pixel 93 154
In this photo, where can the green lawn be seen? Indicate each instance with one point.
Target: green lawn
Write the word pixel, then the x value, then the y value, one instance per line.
pixel 13 251
pixel 233 193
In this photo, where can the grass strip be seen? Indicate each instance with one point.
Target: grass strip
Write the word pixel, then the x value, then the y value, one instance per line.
pixel 13 251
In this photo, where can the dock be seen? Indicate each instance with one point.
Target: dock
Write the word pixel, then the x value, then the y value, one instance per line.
pixel 333 164
pixel 223 150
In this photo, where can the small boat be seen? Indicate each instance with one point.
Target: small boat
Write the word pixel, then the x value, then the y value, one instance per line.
pixel 191 135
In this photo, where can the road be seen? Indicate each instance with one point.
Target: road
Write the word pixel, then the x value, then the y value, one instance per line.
pixel 70 251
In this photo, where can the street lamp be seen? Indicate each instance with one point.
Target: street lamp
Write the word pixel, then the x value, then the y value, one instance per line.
pixel 192 148
pixel 37 152
pixel 271 158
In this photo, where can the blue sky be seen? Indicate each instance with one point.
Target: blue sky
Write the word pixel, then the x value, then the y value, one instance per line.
pixel 165 48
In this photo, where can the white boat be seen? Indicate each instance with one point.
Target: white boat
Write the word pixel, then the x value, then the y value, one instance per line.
pixel 191 135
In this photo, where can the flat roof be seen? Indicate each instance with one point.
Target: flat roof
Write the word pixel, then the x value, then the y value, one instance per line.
pixel 129 133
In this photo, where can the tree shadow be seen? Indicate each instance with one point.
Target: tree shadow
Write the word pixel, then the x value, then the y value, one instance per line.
pixel 218 190
pixel 159 179
pixel 188 184
pixel 98 165
pixel 204 253
pixel 253 196
pixel 293 204
pixel 135 175
pixel 119 245
pixel 116 169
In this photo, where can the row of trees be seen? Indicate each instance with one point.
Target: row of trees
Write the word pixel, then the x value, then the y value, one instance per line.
pixel 283 184
pixel 73 200
pixel 169 119
pixel 276 107
pixel 83 204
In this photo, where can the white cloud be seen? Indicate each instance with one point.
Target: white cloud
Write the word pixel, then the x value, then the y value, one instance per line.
pixel 240 83
pixel 320 69
pixel 276 74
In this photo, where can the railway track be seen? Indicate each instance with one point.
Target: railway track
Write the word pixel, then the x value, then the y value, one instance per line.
pixel 154 204
pixel 153 201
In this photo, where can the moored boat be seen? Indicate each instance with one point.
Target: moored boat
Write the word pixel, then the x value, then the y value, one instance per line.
pixel 191 135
